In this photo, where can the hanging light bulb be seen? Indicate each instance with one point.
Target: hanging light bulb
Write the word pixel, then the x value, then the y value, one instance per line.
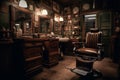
pixel 44 12
pixel 23 4
pixel 61 18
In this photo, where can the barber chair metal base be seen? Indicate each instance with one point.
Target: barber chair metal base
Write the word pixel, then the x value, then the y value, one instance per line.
pixel 85 75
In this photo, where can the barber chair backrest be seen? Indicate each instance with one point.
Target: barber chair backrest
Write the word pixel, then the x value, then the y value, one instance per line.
pixel 92 38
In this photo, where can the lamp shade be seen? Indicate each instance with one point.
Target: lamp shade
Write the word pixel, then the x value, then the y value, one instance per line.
pixel 23 4
pixel 61 18
pixel 44 12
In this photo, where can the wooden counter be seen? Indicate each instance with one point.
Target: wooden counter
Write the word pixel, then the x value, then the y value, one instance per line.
pixel 51 52
pixel 6 59
pixel 29 54
pixel 67 46
pixel 33 53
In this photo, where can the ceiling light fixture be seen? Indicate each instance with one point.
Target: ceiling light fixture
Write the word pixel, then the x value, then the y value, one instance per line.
pixel 44 12
pixel 61 18
pixel 23 4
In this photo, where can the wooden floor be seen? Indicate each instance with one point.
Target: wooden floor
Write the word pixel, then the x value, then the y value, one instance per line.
pixel 59 72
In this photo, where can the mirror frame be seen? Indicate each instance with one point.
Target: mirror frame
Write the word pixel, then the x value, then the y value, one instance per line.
pixel 49 24
pixel 13 17
pixel 83 22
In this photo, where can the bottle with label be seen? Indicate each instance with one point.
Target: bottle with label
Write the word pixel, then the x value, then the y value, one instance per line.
pixel 19 32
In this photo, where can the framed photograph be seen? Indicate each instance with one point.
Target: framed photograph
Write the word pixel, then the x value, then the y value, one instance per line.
pixel 31 7
pixel 75 10
pixel 85 6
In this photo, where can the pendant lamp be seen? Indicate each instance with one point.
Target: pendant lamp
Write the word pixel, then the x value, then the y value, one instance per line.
pixel 23 4
pixel 44 12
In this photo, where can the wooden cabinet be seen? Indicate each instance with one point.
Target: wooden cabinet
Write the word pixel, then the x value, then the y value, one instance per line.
pixel 51 52
pixel 67 46
pixel 105 23
pixel 31 52
pixel 6 59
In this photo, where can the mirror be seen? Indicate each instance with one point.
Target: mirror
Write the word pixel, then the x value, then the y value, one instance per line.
pixel 22 19
pixel 44 25
pixel 90 21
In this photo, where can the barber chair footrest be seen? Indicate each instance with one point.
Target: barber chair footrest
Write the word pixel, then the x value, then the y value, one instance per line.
pixel 93 73
pixel 80 72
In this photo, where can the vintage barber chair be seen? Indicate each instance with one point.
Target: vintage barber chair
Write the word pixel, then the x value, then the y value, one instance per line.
pixel 91 51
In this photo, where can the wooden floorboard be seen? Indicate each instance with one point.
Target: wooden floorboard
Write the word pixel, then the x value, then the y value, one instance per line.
pixel 59 72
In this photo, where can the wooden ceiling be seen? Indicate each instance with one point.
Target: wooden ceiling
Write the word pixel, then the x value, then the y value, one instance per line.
pixel 67 2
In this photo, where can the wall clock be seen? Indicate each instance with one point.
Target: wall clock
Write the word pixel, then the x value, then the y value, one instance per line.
pixel 75 10
pixel 86 6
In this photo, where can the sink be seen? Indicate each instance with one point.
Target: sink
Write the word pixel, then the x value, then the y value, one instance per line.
pixel 63 39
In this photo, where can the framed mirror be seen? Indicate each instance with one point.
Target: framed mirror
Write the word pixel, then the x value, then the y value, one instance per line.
pixel 44 24
pixel 90 21
pixel 22 18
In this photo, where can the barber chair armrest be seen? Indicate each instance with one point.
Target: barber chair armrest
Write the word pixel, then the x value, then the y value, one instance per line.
pixel 78 45
pixel 87 58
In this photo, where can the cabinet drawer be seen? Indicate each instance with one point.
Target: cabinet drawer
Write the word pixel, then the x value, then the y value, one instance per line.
pixel 33 44
pixel 33 63
pixel 31 52
pixel 54 45
pixel 54 53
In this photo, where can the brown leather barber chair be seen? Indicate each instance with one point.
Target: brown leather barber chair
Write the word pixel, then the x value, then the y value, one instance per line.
pixel 91 51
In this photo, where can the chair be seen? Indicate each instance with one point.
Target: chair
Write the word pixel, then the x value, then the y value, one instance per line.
pixel 90 51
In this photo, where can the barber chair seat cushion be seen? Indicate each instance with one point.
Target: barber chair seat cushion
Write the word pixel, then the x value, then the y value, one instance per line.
pixel 87 52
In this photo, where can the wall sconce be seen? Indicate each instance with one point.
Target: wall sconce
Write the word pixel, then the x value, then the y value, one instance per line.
pixel 23 4
pixel 61 18
pixel 44 12
pixel 57 18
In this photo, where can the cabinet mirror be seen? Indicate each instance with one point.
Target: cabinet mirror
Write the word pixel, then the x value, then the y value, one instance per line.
pixel 90 21
pixel 22 18
pixel 44 25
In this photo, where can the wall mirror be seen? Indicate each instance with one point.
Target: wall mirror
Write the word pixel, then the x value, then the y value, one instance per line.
pixel 45 24
pixel 90 21
pixel 22 18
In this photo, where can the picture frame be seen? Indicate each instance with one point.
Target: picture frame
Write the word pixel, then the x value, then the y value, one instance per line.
pixel 31 7
pixel 75 10
pixel 85 6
